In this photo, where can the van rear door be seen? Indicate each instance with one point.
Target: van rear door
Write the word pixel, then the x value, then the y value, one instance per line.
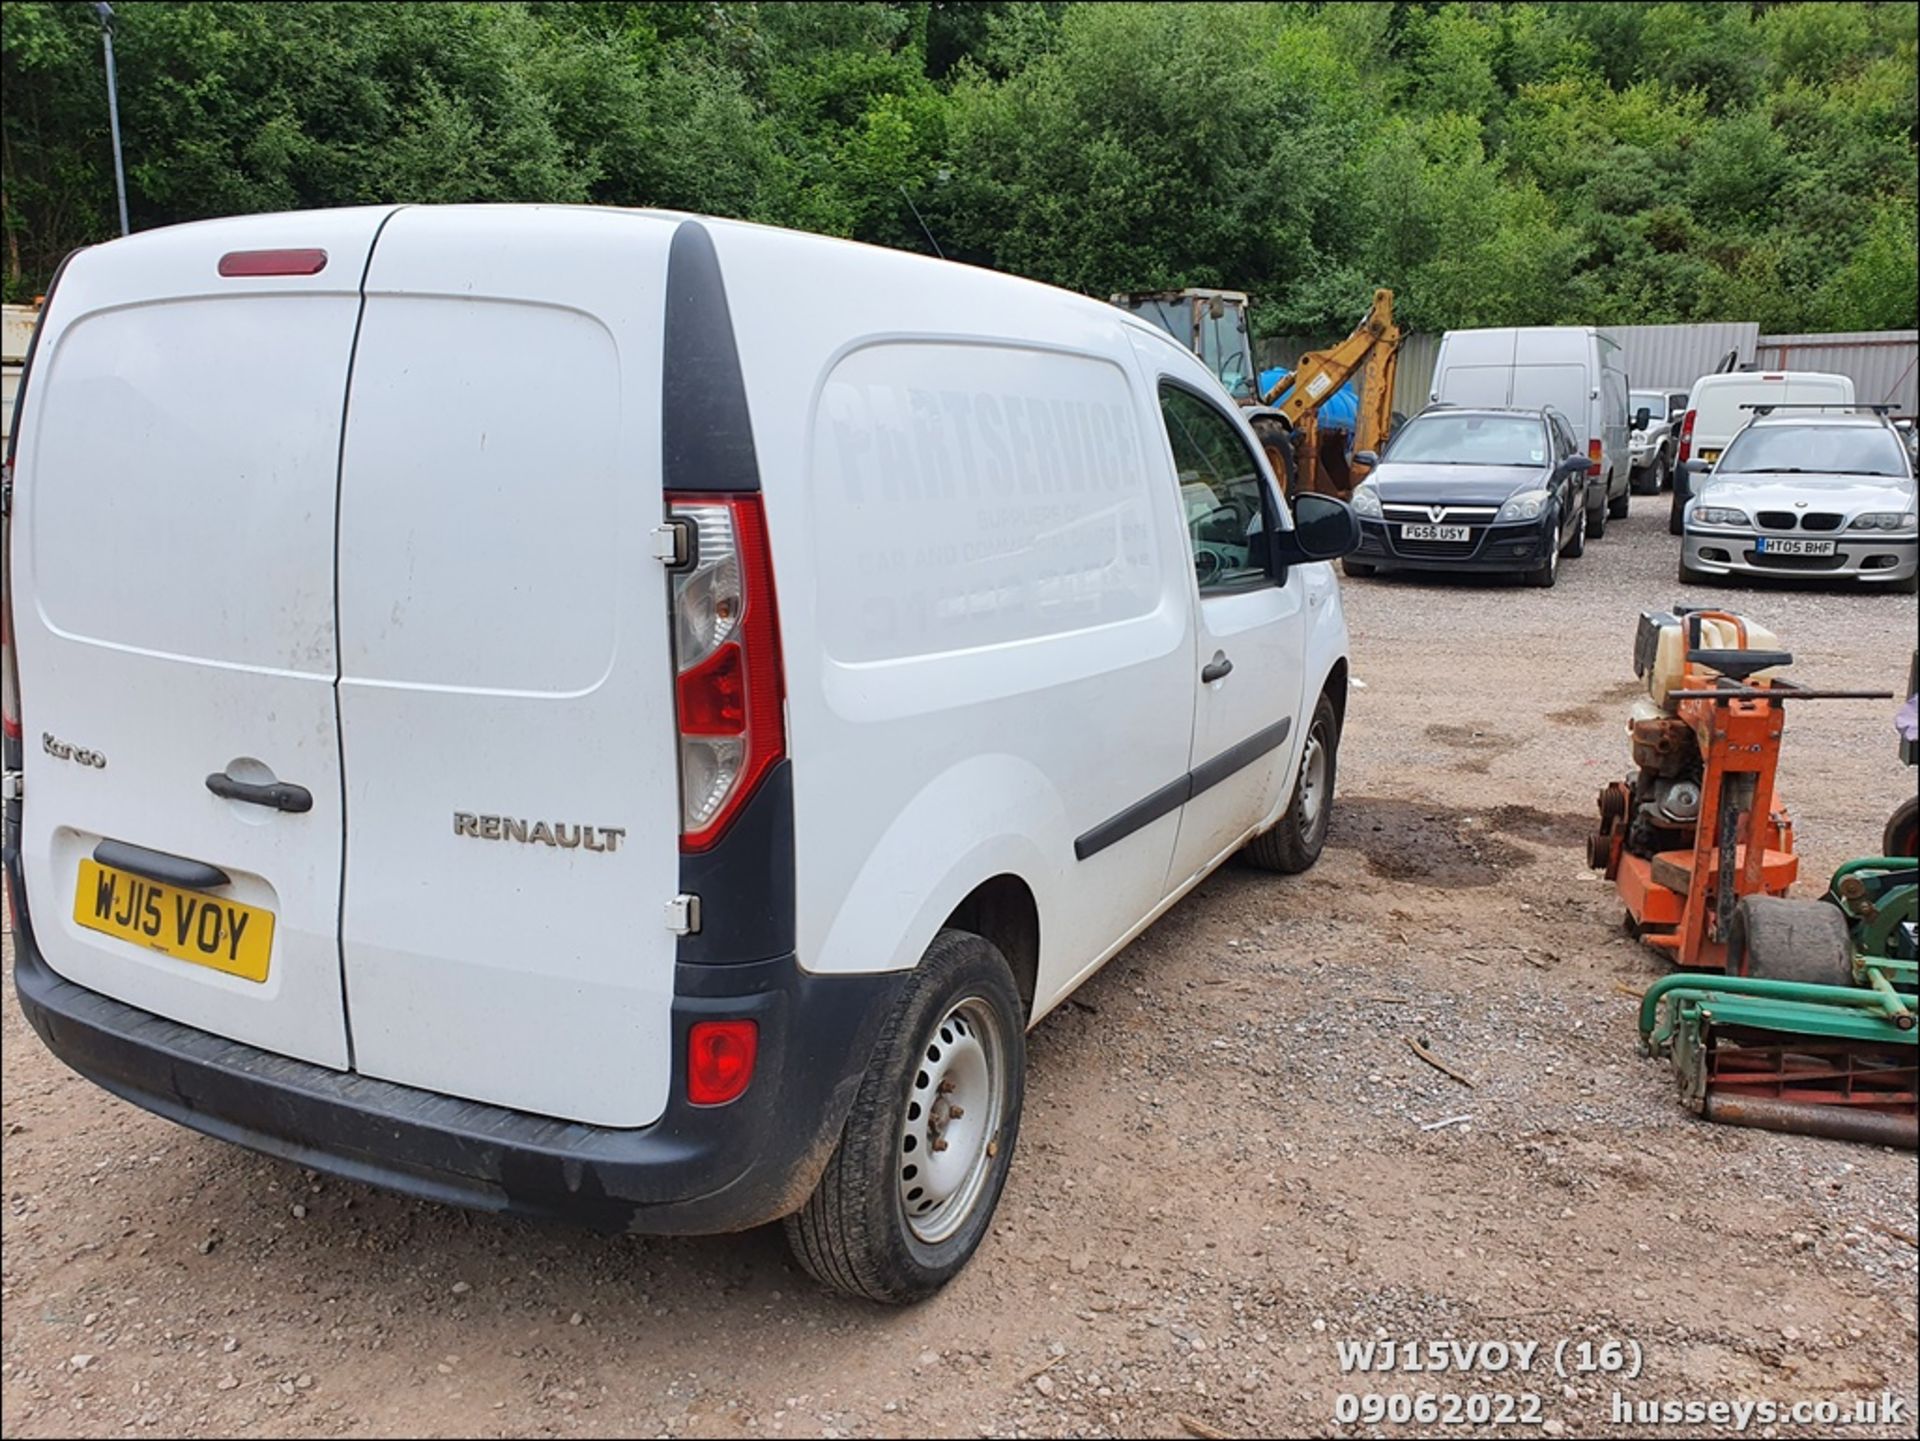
pixel 1475 368
pixel 174 498
pixel 506 692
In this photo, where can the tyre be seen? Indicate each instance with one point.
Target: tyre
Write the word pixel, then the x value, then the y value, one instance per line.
pixel 1577 547
pixel 1677 514
pixel 1359 569
pixel 1781 940
pixel 1902 835
pixel 1645 481
pixel 1596 514
pixel 1663 475
pixel 1277 441
pixel 1690 576
pixel 1295 841
pixel 1617 507
pixel 909 1192
pixel 1546 575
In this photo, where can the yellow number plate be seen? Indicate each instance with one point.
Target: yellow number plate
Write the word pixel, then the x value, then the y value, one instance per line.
pixel 187 925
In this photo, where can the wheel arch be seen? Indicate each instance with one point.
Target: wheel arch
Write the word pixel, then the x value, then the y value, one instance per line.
pixel 1004 910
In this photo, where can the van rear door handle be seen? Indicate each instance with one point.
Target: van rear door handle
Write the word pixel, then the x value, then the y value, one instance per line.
pixel 1216 669
pixel 281 795
pixel 169 870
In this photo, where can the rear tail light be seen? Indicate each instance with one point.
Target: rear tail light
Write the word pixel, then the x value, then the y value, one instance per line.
pixel 1593 457
pixel 729 693
pixel 720 1057
pixel 9 664
pixel 1686 436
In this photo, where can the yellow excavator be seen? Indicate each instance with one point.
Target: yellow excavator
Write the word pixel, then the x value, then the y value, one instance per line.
pixel 1213 323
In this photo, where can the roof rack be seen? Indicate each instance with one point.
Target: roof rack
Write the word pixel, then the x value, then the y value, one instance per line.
pixel 1768 407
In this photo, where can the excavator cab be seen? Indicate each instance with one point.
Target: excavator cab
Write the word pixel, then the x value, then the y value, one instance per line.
pixel 1213 325
pixel 1210 323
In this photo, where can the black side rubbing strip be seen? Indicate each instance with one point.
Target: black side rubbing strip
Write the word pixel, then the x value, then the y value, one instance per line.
pixel 1141 813
pixel 1177 793
pixel 1240 755
pixel 159 866
pixel 706 442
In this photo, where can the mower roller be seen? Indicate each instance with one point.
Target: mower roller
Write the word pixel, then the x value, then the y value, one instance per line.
pixel 1831 1055
pixel 1789 1015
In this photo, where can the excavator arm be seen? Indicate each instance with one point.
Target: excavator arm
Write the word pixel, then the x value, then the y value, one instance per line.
pixel 1372 351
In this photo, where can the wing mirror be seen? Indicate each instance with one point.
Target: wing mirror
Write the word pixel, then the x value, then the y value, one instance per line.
pixel 1571 465
pixel 1323 529
pixel 1367 458
pixel 1641 417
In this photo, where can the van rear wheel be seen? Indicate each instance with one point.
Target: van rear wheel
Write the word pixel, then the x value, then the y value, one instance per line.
pixel 910 1190
pixel 1295 841
pixel 1596 516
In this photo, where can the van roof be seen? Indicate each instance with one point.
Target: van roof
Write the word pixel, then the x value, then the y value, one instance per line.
pixel 1526 330
pixel 1726 377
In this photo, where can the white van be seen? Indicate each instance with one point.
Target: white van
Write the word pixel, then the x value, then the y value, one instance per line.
pixel 615 715
pixel 1577 370
pixel 1720 405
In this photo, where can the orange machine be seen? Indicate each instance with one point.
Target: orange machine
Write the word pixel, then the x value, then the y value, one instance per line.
pixel 1698 823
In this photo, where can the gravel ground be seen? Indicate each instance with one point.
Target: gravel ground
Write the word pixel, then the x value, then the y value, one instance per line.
pixel 1222 1172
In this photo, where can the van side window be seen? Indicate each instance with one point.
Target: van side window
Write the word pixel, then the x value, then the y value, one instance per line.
pixel 1222 492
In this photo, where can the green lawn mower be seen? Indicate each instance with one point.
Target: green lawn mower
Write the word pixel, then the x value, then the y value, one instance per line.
pixel 1812 1027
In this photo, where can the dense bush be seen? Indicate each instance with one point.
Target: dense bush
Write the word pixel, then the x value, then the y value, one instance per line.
pixel 1493 162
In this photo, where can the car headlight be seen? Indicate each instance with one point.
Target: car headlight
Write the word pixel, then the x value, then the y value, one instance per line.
pixel 1719 515
pixel 1524 506
pixel 1366 501
pixel 1886 520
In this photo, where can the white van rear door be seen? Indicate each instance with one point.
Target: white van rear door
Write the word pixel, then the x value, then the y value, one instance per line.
pixel 175 494
pixel 506 688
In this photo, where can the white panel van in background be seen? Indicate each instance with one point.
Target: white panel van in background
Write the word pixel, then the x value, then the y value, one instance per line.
pixel 620 716
pixel 1719 407
pixel 1577 370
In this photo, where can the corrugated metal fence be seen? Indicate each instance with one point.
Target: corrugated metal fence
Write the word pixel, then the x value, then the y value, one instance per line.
pixel 1885 365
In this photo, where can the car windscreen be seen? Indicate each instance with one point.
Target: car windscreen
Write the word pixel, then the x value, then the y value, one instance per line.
pixel 1825 449
pixel 1654 400
pixel 1471 440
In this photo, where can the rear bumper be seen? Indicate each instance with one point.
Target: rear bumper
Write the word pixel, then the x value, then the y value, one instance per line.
pixel 1858 556
pixel 697 1170
pixel 1494 549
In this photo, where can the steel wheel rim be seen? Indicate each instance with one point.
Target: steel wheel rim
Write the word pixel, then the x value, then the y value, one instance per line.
pixel 1313 781
pixel 950 1126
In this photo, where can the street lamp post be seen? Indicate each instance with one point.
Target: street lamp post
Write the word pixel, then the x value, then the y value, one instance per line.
pixel 105 12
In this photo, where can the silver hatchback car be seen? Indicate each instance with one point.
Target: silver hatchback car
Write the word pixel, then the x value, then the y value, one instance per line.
pixel 1807 493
